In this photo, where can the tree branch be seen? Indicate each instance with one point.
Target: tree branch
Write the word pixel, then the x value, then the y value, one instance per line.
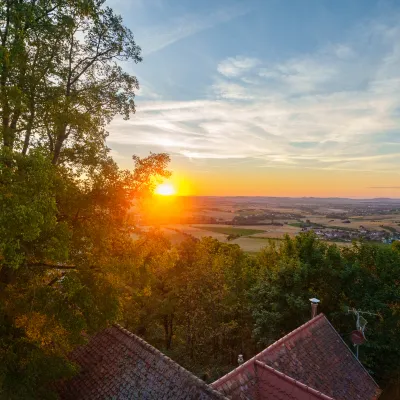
pixel 53 266
pixel 61 266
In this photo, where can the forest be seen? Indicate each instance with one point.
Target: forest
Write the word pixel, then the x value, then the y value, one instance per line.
pixel 69 263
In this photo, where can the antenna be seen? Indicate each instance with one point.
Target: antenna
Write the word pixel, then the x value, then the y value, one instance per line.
pixel 358 336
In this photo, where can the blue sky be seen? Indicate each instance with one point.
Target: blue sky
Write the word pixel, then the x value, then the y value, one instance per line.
pixel 286 90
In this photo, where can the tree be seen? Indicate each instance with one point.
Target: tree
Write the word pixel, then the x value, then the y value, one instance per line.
pixel 65 220
pixel 189 300
pixel 371 282
pixel 61 80
pixel 290 274
pixel 364 276
pixel 58 257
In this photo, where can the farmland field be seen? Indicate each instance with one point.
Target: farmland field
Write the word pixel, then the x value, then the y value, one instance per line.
pixel 251 240
pixel 254 220
pixel 251 244
pixel 228 230
pixel 171 230
pixel 356 223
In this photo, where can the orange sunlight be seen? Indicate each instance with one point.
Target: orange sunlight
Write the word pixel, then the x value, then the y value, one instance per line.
pixel 165 189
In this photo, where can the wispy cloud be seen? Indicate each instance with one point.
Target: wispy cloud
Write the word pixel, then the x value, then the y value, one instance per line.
pixel 384 187
pixel 159 37
pixel 236 66
pixel 335 109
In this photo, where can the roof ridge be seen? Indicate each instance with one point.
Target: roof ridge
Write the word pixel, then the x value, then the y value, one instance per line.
pixel 292 380
pixel 292 333
pixel 169 360
pixel 271 346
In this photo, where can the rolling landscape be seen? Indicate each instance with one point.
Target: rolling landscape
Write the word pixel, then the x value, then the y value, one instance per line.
pixel 251 221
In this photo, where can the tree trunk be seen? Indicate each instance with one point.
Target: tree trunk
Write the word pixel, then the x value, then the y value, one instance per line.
pixel 61 136
pixel 7 275
pixel 168 330
pixel 29 127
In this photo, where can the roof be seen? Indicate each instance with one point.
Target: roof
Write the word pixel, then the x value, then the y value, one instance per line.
pixel 311 362
pixel 116 364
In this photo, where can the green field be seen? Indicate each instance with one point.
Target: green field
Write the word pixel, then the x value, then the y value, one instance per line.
pixel 297 224
pixel 226 230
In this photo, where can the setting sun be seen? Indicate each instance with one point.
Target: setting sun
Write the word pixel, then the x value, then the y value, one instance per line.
pixel 165 189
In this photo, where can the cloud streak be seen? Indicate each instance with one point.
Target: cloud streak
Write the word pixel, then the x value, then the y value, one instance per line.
pixel 341 102
pixel 236 66
pixel 384 187
pixel 159 37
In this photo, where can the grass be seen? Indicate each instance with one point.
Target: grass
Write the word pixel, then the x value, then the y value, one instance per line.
pixel 307 225
pixel 228 230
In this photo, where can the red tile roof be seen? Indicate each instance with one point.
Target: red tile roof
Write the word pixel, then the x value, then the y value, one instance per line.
pixel 311 361
pixel 273 384
pixel 116 364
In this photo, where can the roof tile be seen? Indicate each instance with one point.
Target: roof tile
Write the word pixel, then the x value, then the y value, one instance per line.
pixel 116 364
pixel 313 354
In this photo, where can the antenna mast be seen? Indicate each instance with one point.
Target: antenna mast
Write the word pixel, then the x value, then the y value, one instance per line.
pixel 358 336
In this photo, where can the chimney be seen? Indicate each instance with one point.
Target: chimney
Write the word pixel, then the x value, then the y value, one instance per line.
pixel 314 306
pixel 240 359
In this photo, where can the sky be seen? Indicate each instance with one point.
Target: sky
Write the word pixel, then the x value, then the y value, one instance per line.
pixel 267 97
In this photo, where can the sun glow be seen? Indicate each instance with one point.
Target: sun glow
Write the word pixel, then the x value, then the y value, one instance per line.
pixel 165 189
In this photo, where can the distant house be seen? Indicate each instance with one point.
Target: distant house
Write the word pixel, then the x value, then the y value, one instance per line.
pixel 310 363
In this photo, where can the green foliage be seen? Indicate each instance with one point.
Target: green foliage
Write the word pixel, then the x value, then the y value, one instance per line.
pixel 396 246
pixel 29 229
pixel 65 204
pixel 290 274
pixel 60 82
pixel 60 239
pixel 232 236
pixel 371 282
pixel 191 301
pixel 364 277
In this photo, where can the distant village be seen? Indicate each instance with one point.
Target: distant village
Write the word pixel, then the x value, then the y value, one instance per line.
pixel 362 233
pixel 386 235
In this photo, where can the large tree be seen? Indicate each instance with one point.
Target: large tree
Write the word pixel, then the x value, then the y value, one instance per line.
pixel 65 219
pixel 61 80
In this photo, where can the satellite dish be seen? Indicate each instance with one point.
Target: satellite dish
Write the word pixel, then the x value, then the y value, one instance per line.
pixel 357 337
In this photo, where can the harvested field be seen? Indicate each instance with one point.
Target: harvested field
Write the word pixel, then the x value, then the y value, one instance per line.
pixel 250 244
pixel 355 223
pixel 279 231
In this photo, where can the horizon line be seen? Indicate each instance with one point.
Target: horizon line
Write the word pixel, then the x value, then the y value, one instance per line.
pixel 292 197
